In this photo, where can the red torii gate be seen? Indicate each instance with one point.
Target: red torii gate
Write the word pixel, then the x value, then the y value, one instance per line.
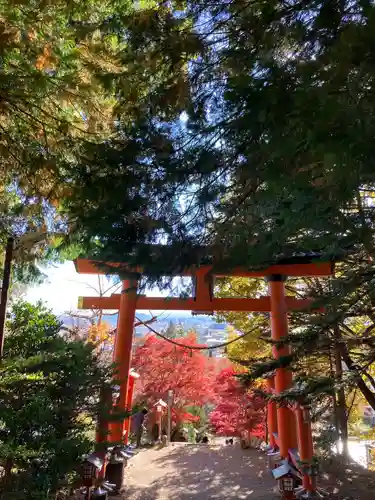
pixel 286 427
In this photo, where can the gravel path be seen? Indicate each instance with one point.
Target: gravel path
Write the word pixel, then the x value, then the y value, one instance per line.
pixel 198 472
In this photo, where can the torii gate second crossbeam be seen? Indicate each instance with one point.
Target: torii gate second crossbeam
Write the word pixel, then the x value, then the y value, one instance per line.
pixel 281 420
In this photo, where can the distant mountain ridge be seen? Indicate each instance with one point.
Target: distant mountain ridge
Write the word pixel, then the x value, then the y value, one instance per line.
pixel 208 331
pixel 188 322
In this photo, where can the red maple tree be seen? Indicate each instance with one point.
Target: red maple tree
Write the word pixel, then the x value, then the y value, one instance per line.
pixel 237 408
pixel 163 366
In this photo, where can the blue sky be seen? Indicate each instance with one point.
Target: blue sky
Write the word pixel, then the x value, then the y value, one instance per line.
pixel 64 285
pixel 62 288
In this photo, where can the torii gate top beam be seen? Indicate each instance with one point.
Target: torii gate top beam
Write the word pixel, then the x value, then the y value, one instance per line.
pixel 203 300
pixel 298 269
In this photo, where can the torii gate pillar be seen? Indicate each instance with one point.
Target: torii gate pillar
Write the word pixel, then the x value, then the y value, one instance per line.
pixel 123 350
pixel 283 377
pixel 271 414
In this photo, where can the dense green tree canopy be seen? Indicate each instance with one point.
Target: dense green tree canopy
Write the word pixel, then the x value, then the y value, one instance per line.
pixel 272 153
pixel 52 58
pixel 72 75
pixel 53 101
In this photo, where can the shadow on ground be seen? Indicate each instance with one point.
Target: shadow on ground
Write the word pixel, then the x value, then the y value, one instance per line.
pixel 201 472
pixel 347 482
pixel 197 472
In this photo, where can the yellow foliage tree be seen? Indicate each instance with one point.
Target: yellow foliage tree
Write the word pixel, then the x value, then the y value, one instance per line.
pixel 251 346
pixel 101 335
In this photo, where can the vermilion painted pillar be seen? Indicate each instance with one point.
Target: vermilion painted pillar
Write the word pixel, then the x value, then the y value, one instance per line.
pixel 102 428
pixel 129 401
pixel 123 349
pixel 283 377
pixel 304 445
pixel 159 416
pixel 271 414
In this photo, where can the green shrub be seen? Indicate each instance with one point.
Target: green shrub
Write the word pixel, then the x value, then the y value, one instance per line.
pixel 49 396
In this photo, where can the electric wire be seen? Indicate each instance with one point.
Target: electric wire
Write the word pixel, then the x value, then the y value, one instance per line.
pixel 196 348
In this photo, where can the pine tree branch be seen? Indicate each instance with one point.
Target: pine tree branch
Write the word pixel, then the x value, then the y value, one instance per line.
pixel 367 393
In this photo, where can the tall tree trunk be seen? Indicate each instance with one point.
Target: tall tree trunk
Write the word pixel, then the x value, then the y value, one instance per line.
pixel 5 290
pixel 362 386
pixel 8 470
pixel 334 397
pixel 341 410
